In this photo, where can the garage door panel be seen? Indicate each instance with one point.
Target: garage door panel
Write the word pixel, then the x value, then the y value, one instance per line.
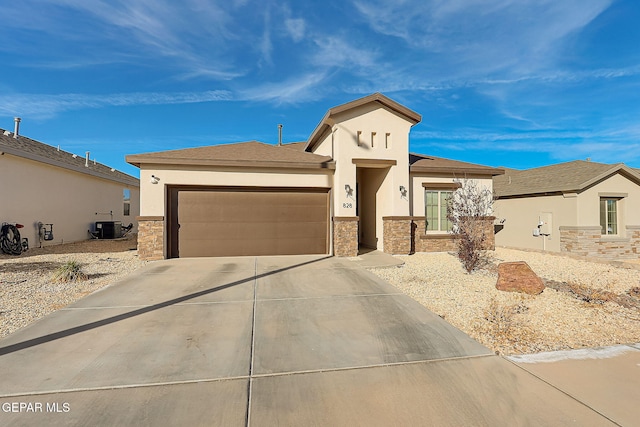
pixel 231 223
pixel 302 230
pixel 291 245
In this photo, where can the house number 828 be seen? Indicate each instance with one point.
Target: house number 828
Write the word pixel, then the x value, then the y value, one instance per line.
pixel 347 205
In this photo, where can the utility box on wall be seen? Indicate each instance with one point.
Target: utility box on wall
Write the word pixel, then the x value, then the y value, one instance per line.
pixel 546 220
pixel 109 229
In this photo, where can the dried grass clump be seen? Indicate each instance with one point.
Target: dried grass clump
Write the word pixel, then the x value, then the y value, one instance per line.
pixel 501 330
pixel 70 271
pixel 591 295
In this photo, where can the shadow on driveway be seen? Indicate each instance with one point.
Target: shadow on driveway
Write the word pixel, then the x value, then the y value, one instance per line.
pixel 86 327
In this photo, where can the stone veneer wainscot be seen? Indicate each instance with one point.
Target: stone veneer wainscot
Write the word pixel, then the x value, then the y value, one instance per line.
pixel 150 237
pixel 345 236
pixel 589 241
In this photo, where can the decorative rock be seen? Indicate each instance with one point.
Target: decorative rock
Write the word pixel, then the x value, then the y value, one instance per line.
pixel 518 277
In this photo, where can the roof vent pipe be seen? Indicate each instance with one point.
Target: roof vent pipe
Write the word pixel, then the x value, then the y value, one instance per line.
pixel 16 130
pixel 86 160
pixel 279 134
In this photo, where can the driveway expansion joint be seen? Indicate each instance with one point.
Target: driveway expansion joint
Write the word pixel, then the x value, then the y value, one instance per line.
pixel 377 365
pixel 569 395
pixel 330 297
pixel 122 386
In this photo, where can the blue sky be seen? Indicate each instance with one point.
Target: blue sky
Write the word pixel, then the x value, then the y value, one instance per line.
pixel 517 83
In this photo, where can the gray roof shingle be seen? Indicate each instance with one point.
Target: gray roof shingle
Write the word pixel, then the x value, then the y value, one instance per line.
pixel 567 177
pixel 429 164
pixel 243 154
pixel 34 150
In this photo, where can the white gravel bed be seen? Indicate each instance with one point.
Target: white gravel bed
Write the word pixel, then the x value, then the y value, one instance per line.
pixel 514 323
pixel 27 292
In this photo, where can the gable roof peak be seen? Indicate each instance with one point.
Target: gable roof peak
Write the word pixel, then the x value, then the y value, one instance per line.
pixel 567 177
pixel 376 97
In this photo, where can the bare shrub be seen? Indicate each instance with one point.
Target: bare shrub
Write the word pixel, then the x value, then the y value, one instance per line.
pixel 467 210
pixel 501 329
pixel 500 317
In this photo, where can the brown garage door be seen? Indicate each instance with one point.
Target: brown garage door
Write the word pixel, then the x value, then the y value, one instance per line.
pixel 236 222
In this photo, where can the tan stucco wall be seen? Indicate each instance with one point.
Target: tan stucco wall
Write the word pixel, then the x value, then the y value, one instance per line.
pixel 367 119
pixel 581 209
pixel 390 142
pixel 628 207
pixel 522 216
pixel 34 192
pixel 153 195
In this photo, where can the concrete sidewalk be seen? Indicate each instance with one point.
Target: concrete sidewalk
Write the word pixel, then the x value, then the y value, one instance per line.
pixel 303 340
pixel 605 379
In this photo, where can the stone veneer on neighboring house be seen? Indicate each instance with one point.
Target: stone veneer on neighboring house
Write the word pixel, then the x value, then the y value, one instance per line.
pixel 345 236
pixel 150 238
pixel 589 241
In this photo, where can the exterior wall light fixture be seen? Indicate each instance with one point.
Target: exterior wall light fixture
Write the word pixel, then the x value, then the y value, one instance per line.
pixel 348 190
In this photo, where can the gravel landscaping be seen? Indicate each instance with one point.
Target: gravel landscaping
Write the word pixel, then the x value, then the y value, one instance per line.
pixel 585 304
pixel 576 310
pixel 27 291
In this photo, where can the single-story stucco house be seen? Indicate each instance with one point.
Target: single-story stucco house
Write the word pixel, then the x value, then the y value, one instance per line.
pixel 581 207
pixel 352 183
pixel 58 196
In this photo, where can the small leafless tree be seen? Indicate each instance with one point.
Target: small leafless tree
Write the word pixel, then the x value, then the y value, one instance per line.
pixel 467 209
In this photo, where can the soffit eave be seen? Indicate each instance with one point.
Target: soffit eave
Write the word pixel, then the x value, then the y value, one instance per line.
pixel 330 164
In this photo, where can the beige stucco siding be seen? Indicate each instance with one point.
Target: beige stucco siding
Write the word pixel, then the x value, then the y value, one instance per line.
pixel 628 207
pixel 370 132
pixel 153 195
pixel 390 135
pixel 325 147
pixel 521 216
pixel 568 210
pixel 34 192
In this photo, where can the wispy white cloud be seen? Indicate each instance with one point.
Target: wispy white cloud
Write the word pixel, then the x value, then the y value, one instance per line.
pixel 606 145
pixel 44 106
pixel 265 44
pixel 295 27
pixel 338 52
pixel 293 90
pixel 132 31
pixel 471 38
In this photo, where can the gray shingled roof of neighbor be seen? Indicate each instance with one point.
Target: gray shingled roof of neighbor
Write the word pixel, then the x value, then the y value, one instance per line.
pixel 569 177
pixel 420 163
pixel 242 154
pixel 35 150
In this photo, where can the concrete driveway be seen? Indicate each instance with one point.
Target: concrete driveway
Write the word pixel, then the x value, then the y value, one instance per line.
pixel 266 341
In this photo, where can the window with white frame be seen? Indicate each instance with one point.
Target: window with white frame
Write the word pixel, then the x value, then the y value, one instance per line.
pixel 609 215
pixel 435 210
pixel 126 195
pixel 436 199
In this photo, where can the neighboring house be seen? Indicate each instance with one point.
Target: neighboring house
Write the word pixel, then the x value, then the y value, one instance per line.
pixel 43 184
pixel 352 184
pixel 581 207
